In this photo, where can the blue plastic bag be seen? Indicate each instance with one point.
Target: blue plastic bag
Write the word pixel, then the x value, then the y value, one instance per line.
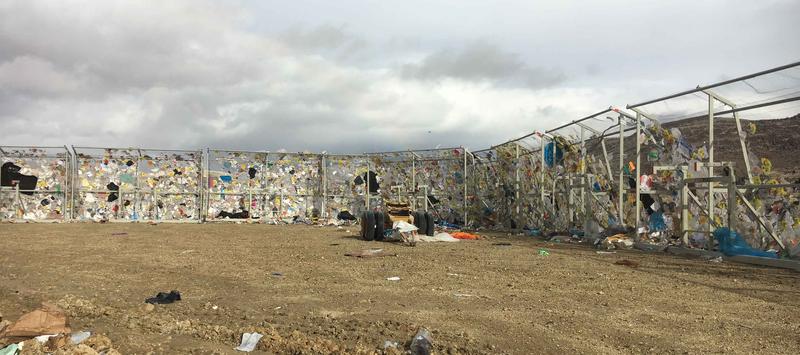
pixel 732 244
pixel 548 154
pixel 657 223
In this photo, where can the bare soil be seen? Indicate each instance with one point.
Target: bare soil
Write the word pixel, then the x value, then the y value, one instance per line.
pixel 474 296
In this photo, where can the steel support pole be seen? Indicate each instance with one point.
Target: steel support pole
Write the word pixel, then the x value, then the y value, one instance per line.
pixel 66 188
pixel 732 201
pixel 605 159
pixel 366 191
pixel 621 182
pixel 553 195
pixel 324 162
pixel 742 143
pixel 414 182
pixel 638 169
pixel 583 172
pixel 74 173
pixel 739 131
pixel 137 196
pixel 464 152
pixel 516 184
pixel 541 174
pixel 711 212
pixel 684 207
pixel 206 185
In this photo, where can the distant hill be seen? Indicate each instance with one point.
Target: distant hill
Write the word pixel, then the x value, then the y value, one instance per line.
pixel 776 139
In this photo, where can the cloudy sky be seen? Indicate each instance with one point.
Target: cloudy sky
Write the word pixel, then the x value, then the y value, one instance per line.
pixel 355 76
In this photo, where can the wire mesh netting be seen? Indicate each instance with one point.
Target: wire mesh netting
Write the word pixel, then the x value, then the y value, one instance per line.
pixel 35 183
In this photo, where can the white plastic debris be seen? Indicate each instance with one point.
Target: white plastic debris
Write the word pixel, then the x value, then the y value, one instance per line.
pixel 249 342
pixel 43 338
pixel 79 337
pixel 393 278
pixel 11 349
pixel 439 237
pixel 404 227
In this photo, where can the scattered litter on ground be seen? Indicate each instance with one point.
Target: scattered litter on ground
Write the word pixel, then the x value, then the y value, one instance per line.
pixel 277 274
pixel 393 278
pixel 406 232
pixel 187 251
pixel 439 237
pixel 543 252
pixel 390 345
pixel 629 263
pixel 452 274
pixel 605 252
pixel 44 338
pixel 502 244
pixel 334 244
pixel 119 234
pixel 465 235
pixel 46 320
pixel 249 342
pixel 651 247
pixel 715 260
pixel 369 253
pixel 164 298
pixel 79 337
pixel 422 343
pixel 12 349
pixel 462 295
pixel 560 239
pixel 731 243
pixel 618 241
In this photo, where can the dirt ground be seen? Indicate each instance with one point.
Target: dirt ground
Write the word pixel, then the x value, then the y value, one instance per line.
pixel 474 296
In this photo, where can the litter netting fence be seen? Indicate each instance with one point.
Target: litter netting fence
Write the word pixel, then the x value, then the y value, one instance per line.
pixel 133 184
pixel 34 183
pixel 262 186
pixel 673 169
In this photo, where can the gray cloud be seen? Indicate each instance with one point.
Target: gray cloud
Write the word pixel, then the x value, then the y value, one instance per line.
pixel 323 37
pixel 343 77
pixel 481 61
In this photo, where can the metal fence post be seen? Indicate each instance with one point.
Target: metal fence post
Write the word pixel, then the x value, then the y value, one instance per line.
pixel 516 186
pixel 711 210
pixel 464 153
pixel 638 169
pixel 621 182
